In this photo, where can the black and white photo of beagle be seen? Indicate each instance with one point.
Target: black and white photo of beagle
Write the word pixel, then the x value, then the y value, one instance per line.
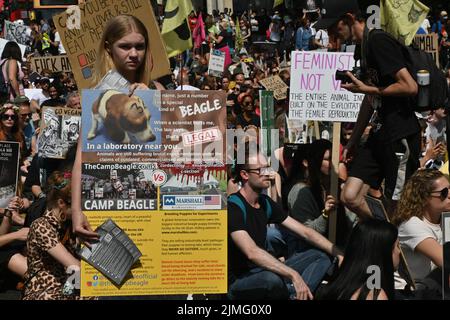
pixel 122 117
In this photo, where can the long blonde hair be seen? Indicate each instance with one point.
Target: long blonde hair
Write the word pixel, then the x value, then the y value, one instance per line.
pixel 415 195
pixel 117 28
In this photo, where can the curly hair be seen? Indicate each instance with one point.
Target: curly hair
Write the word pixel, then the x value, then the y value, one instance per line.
pixel 415 195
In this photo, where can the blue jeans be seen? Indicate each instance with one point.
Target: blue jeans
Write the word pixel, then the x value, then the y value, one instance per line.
pixel 259 283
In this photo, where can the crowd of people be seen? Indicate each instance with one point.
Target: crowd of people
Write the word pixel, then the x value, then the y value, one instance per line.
pixel 278 221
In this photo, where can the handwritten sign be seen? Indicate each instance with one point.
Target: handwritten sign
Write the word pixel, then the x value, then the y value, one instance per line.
pixel 53 63
pixel 82 44
pixel 428 43
pixel 277 85
pixel 216 63
pixel 315 94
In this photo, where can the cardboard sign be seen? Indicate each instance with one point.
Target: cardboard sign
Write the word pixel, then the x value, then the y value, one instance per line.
pixel 428 43
pixel 9 168
pixel 17 33
pixel 82 44
pixel 277 85
pixel 52 63
pixel 216 63
pixel 315 94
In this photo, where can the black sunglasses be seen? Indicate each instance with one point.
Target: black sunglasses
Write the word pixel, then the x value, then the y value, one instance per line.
pixel 443 194
pixel 9 116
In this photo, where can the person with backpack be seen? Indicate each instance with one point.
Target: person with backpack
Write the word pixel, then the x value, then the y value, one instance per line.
pixel 392 150
pixel 10 72
pixel 254 273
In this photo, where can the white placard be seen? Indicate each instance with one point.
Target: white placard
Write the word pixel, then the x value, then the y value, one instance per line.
pixel 315 94
pixel 216 63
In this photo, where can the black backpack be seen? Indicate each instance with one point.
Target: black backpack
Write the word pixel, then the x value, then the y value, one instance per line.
pixel 416 60
pixel 4 84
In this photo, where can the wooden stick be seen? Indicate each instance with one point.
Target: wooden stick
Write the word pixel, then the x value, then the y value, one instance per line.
pixel 334 179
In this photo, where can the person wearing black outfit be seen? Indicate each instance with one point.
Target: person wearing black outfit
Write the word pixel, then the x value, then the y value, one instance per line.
pixel 392 150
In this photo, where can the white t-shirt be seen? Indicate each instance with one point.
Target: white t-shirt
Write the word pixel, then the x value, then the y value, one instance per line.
pixel 39 97
pixel 61 49
pixel 410 234
pixel 322 36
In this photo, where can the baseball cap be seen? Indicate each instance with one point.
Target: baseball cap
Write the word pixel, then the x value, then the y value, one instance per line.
pixel 333 10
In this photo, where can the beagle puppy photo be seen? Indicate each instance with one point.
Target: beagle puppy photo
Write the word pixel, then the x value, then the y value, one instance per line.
pixel 124 119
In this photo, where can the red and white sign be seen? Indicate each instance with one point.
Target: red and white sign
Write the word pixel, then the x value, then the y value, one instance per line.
pixel 159 177
pixel 202 136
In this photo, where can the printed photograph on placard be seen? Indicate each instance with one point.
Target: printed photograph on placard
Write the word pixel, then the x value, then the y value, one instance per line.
pixel 114 121
pixel 60 128
pixel 127 186
pixel 191 187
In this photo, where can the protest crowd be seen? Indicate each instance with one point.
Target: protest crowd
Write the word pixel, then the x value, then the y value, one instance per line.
pixel 278 216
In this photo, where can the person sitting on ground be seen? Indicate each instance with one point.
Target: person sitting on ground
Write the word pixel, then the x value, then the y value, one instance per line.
pixel 418 217
pixel 372 243
pixel 51 245
pixel 254 270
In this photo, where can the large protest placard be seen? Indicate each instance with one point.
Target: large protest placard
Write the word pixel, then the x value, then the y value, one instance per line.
pixel 277 85
pixel 428 43
pixel 60 128
pixel 315 94
pixel 216 63
pixel 15 32
pixel 3 42
pixel 52 63
pixel 157 187
pixel 9 169
pixel 81 42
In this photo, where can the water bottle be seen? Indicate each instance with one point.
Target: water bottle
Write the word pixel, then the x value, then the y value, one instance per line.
pixel 423 80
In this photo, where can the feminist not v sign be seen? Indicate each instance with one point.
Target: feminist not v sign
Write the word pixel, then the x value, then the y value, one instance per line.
pixel 315 94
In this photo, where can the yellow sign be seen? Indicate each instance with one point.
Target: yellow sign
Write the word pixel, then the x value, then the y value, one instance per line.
pixel 182 252
pixel 81 44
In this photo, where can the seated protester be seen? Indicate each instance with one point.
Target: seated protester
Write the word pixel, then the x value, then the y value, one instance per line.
pixel 418 218
pixel 435 140
pixel 248 116
pixel 26 125
pixel 55 98
pixel 12 243
pixel 51 245
pixel 73 100
pixel 254 273
pixel 372 243
pixel 308 201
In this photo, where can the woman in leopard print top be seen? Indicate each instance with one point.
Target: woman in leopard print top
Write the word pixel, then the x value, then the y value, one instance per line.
pixel 51 246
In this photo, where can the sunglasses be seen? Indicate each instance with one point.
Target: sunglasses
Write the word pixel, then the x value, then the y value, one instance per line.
pixel 443 194
pixel 26 115
pixel 9 117
pixel 262 171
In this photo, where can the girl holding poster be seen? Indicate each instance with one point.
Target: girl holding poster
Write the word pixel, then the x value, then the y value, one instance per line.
pixel 124 60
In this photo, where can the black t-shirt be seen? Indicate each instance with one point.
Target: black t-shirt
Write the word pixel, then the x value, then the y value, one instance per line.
pixel 256 226
pixel 385 59
pixel 254 121
pixel 226 39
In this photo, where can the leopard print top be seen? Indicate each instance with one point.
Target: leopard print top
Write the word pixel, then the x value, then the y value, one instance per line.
pixel 45 276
